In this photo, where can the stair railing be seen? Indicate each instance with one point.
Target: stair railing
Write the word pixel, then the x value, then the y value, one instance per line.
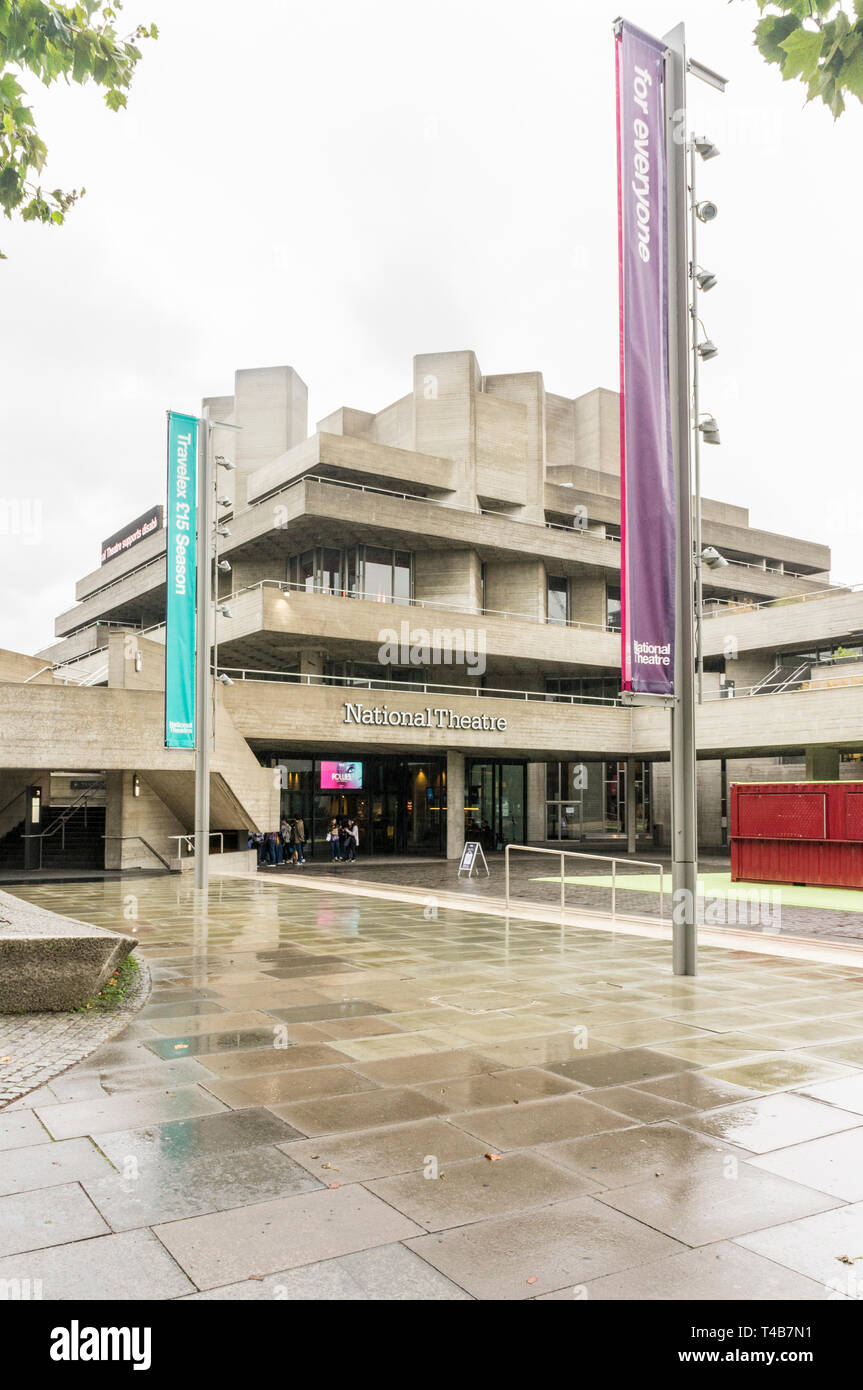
pixel 60 822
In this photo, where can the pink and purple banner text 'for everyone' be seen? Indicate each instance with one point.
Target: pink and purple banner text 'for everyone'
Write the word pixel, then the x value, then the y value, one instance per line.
pixel 648 528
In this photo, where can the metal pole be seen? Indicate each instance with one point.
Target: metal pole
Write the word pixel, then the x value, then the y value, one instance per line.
pixel 506 874
pixel 683 799
pixel 202 662
pixel 214 528
pixel 696 433
pixel 631 827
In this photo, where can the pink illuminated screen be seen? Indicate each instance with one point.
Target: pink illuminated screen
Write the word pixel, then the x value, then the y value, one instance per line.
pixel 341 777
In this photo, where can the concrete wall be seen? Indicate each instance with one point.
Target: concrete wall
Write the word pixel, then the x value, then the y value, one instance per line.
pixel 444 399
pixel 587 600
pixel 536 777
pixel 596 417
pixel 528 390
pixel 501 451
pixel 271 407
pixel 145 815
pixel 451 577
pixel 13 784
pixel 517 587
pixel 129 650
pixel 16 667
pixel 395 424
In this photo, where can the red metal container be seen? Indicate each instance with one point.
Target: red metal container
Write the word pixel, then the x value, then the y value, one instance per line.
pixel 797 832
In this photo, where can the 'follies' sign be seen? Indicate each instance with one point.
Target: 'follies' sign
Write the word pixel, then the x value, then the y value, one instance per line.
pixel 648 529
pixel 180 582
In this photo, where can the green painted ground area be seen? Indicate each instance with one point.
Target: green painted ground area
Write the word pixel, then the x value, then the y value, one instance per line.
pixel 720 885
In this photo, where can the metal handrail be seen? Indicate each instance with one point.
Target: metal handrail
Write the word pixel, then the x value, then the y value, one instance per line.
pixel 60 822
pixel 189 841
pixel 414 687
pixel 295 587
pixel 757 604
pixel 801 685
pixel 613 860
pixel 796 675
pixel 147 844
pixel 159 559
pixel 765 680
pixel 66 814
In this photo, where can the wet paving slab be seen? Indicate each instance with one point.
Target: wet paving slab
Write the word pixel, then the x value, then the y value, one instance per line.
pixel 338 1098
pixel 323 1013
pixel 189 1007
pixel 202 1044
pixel 555 1247
pixel 389 1273
pixel 290 1231
pixel 136 1197
pixel 174 1143
pixel 282 1087
pixel 50 1165
pixel 722 1271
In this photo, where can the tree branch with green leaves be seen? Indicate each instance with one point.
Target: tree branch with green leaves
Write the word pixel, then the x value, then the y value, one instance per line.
pixel 819 42
pixel 78 43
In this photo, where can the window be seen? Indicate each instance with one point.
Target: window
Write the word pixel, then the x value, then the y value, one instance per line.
pixel 558 601
pixel 368 674
pixel 612 607
pixel 331 570
pixel 386 575
pixel 356 572
pixel 402 577
pixel 590 689
pixel 301 570
pixel 378 574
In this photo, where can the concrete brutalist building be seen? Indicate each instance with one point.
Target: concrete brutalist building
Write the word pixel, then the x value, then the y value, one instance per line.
pixel 423 633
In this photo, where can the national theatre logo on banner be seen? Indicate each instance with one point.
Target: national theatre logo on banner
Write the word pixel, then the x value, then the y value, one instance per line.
pixel 180 582
pixel 647 507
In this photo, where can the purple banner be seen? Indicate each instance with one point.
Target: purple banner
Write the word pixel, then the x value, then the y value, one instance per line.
pixel 647 510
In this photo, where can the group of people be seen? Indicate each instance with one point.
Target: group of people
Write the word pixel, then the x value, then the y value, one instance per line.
pixel 344 840
pixel 287 845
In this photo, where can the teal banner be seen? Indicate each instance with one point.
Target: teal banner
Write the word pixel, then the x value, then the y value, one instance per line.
pixel 180 582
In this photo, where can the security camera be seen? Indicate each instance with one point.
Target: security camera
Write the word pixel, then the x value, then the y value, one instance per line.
pixel 706 211
pixel 705 147
pixel 710 430
pixel 712 558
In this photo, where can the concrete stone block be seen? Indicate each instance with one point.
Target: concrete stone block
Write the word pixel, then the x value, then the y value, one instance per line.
pixel 51 963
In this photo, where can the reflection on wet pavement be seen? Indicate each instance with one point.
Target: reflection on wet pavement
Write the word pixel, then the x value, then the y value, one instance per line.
pixel 330 1096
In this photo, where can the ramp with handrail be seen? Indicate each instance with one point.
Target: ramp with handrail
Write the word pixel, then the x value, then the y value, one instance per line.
pixel 613 860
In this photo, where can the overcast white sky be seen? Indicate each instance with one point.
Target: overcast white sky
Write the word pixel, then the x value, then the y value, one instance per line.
pixel 339 186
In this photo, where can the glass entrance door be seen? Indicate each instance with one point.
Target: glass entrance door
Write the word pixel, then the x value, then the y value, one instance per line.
pixel 495 804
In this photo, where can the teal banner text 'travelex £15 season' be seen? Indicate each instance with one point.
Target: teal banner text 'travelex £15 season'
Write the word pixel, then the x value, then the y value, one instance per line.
pixel 180 582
